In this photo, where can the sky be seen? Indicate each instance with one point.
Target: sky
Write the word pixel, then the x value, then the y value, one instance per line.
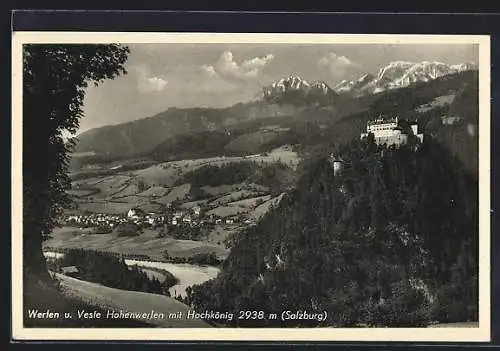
pixel 218 75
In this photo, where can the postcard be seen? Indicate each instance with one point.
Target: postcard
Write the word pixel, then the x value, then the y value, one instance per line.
pixel 259 187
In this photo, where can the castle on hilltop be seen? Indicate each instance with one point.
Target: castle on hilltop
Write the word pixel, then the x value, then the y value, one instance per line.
pixel 389 131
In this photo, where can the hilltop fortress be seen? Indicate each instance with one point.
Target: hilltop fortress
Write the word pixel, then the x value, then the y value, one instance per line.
pixel 388 131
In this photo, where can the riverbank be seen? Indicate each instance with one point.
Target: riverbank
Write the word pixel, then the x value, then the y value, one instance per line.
pixel 187 274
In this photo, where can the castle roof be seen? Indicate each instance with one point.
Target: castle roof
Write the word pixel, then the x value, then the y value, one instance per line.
pixel 336 158
pixel 381 120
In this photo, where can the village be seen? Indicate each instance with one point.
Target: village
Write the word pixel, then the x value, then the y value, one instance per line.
pixel 172 217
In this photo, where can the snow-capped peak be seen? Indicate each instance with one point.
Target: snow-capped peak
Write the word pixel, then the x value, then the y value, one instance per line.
pixel 322 86
pixel 298 87
pixel 467 66
pixel 292 81
pixel 399 74
pixel 363 78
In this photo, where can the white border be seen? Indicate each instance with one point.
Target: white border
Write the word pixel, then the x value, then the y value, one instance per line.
pixel 482 333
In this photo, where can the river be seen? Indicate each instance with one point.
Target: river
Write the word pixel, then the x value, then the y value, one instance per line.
pixel 188 274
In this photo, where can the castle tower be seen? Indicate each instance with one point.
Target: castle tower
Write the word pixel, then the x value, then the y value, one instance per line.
pixel 337 163
pixel 414 128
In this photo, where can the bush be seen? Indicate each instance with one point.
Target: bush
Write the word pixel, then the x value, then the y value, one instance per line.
pixel 197 193
pixel 209 259
pixel 186 232
pixel 170 279
pixel 109 269
pixel 203 259
pixel 129 229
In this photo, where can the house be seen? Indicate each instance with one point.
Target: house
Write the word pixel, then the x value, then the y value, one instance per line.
pixel 133 213
pixel 70 271
pixel 449 120
pixel 196 210
pixel 414 129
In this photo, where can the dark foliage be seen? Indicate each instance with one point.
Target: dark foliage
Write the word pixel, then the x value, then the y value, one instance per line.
pixel 110 269
pixel 185 231
pixel 277 176
pixel 203 259
pixel 211 175
pixel 54 82
pixel 197 145
pixel 129 229
pixel 390 241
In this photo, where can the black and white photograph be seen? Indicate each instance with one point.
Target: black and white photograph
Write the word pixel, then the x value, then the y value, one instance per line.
pixel 274 186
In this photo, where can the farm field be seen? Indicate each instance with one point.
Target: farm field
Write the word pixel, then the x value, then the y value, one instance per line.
pixel 154 187
pixel 262 209
pixel 145 244
pixel 437 102
pixel 220 233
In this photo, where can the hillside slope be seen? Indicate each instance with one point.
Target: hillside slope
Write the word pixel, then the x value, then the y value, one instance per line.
pixel 365 245
pixel 132 301
pixel 142 135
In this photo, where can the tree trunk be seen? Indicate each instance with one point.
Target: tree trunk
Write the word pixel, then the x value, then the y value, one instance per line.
pixel 33 258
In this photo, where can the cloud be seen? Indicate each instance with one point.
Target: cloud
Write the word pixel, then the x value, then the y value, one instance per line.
pixel 152 84
pixel 209 70
pixel 336 64
pixel 227 67
pixel 147 82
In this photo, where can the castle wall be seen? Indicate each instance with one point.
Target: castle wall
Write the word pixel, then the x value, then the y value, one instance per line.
pixel 386 133
pixel 380 127
pixel 397 139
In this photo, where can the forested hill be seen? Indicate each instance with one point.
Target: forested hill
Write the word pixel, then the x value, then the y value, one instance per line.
pixel 392 240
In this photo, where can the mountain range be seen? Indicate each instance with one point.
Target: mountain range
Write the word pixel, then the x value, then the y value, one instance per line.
pixel 294 89
pixel 287 103
pixel 399 74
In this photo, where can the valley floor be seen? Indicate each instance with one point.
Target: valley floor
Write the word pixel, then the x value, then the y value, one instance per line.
pixel 145 244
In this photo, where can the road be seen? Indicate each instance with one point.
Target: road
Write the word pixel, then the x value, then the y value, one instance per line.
pixel 131 301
